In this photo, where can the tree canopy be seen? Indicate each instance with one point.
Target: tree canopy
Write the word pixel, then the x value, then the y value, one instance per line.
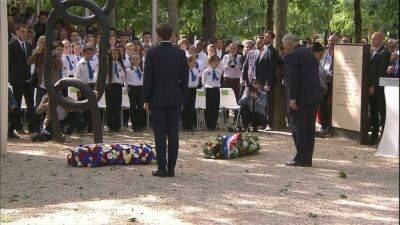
pixel 239 20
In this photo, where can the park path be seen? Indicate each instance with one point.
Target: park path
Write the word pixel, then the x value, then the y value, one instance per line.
pixel 38 187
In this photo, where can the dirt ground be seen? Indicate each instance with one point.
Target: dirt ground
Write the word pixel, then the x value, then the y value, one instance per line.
pixel 38 187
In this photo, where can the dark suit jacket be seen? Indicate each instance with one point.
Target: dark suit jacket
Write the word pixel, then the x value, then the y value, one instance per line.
pixel 266 67
pixel 19 70
pixel 302 76
pixel 165 78
pixel 377 66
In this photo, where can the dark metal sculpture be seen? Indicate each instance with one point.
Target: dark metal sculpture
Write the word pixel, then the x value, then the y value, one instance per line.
pixel 60 10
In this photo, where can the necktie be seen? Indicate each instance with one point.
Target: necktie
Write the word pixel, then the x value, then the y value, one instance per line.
pixel 138 73
pixel 116 70
pixel 90 71
pixel 193 76
pixel 197 66
pixel 130 60
pixel 24 49
pixel 69 62
pixel 214 76
pixel 78 58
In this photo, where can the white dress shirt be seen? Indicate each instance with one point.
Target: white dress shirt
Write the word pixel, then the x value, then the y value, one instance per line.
pixel 229 72
pixel 121 76
pixel 82 71
pixel 67 59
pixel 219 53
pixel 202 56
pixel 207 78
pixel 133 77
pixel 194 78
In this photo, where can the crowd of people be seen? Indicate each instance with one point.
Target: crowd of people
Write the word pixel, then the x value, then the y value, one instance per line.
pixel 249 68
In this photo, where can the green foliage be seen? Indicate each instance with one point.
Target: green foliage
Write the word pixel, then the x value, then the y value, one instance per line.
pixel 342 174
pixel 237 19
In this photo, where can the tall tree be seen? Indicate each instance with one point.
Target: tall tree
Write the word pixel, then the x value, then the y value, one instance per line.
pixel 172 8
pixel 357 20
pixel 209 20
pixel 270 15
pixel 280 22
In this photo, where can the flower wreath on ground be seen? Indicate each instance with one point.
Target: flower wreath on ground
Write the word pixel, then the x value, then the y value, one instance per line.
pixel 96 155
pixel 232 145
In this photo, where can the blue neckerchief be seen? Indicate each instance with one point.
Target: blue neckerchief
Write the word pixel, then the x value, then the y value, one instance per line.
pixel 138 73
pixel 90 71
pixel 69 62
pixel 193 76
pixel 214 75
pixel 116 69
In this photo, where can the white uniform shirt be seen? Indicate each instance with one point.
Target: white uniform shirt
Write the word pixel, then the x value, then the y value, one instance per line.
pixel 127 61
pixel 121 76
pixel 134 76
pixel 201 56
pixel 229 72
pixel 69 65
pixel 208 80
pixel 219 53
pixel 194 78
pixel 82 71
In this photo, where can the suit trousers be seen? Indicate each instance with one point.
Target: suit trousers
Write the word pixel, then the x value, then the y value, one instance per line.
pixel 212 107
pixel 114 104
pixel 377 110
pixel 270 106
pixel 87 116
pixel 189 111
pixel 40 92
pixel 302 124
pixel 27 91
pixel 165 122
pixel 136 111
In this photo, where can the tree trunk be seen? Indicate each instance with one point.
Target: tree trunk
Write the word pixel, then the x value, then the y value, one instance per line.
pixel 270 15
pixel 172 8
pixel 23 6
pixel 209 20
pixel 280 21
pixel 357 20
pixel 113 18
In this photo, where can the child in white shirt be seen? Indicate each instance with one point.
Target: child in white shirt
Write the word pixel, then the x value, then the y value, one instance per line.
pixel 115 81
pixel 134 82
pixel 211 79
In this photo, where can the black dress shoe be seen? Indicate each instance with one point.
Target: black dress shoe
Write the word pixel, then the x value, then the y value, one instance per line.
pixel 13 135
pixel 157 173
pixel 171 173
pixel 294 163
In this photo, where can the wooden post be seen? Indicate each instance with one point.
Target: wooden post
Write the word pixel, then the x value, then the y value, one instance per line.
pixel 3 76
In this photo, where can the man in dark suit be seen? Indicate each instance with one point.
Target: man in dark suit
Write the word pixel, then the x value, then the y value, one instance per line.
pixel 379 62
pixel 20 77
pixel 304 92
pixel 266 64
pixel 165 82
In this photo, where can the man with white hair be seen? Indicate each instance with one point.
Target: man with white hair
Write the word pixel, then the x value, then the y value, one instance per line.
pixel 304 92
pixel 379 62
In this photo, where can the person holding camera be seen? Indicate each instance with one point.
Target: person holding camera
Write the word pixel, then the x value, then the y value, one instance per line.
pixel 253 103
pixel 37 59
pixel 232 68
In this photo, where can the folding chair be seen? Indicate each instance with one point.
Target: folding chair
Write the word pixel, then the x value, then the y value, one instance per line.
pixel 228 102
pixel 200 105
